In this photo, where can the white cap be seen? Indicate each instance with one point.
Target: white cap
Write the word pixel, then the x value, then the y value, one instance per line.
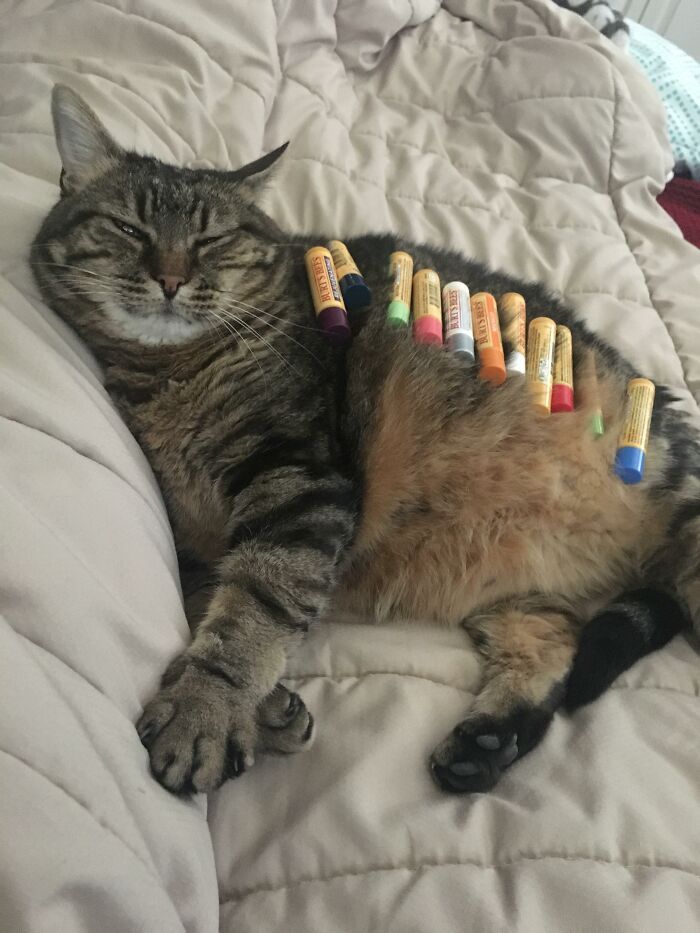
pixel 516 362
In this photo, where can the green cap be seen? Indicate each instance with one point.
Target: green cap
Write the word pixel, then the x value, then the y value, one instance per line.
pixel 597 424
pixel 398 313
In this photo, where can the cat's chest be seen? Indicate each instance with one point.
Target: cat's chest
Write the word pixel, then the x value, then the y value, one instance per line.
pixel 191 436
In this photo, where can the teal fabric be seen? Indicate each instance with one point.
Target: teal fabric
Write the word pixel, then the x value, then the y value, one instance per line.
pixel 676 76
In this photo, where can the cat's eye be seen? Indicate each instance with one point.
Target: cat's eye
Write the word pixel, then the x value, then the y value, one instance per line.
pixel 208 240
pixel 129 230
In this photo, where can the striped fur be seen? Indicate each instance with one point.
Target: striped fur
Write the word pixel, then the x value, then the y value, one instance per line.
pixel 387 480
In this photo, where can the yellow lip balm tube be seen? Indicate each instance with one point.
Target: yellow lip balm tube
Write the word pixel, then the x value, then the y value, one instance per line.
pixel 401 271
pixel 331 315
pixel 541 337
pixel 563 374
pixel 634 437
pixel 511 312
pixel 597 421
pixel 355 291
pixel 427 307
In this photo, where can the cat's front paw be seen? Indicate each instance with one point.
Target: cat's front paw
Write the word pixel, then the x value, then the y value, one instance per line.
pixel 199 730
pixel 285 725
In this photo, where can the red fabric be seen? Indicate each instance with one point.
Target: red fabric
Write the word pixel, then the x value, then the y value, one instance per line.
pixel 681 199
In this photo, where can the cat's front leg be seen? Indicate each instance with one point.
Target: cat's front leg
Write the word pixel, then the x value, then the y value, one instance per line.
pixel 220 700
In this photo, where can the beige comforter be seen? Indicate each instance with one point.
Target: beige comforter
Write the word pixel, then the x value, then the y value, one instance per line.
pixel 507 129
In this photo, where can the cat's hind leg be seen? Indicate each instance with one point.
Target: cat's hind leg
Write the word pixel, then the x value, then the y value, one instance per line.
pixel 527 652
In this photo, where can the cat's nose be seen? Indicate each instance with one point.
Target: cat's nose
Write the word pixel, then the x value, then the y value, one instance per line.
pixel 170 284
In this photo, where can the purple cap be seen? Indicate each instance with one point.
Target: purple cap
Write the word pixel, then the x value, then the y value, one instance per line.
pixel 334 324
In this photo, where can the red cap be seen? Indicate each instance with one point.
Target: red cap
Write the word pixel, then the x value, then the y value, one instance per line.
pixel 562 397
pixel 427 329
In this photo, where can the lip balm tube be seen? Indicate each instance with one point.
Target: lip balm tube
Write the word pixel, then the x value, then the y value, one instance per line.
pixel 401 271
pixel 597 422
pixel 511 312
pixel 353 287
pixel 634 436
pixel 563 377
pixel 427 309
pixel 457 315
pixel 328 302
pixel 540 355
pixel 487 334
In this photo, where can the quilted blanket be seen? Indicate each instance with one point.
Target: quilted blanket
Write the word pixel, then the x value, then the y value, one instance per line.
pixel 506 128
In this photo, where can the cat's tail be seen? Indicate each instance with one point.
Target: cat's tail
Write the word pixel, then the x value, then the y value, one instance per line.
pixel 639 622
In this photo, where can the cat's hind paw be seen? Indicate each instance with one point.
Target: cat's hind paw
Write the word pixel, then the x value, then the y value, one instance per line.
pixel 476 753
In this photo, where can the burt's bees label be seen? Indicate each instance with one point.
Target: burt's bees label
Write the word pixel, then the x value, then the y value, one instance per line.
pixel 427 307
pixel 331 314
pixel 426 295
pixel 342 260
pixel 401 272
pixel 457 315
pixel 325 291
pixel 563 368
pixel 487 334
pixel 640 404
pixel 540 358
pixel 511 312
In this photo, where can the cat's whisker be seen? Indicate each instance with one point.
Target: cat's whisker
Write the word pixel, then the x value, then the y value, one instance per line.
pixel 282 332
pixel 234 331
pixel 258 336
pixel 221 327
pixel 245 304
pixel 93 290
pixel 81 269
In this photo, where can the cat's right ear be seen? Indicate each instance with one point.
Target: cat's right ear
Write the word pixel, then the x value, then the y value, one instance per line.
pixel 86 148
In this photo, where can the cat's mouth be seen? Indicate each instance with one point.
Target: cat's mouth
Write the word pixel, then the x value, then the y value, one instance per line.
pixel 165 309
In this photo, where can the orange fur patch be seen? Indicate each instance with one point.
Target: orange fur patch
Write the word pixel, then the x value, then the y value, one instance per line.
pixel 496 502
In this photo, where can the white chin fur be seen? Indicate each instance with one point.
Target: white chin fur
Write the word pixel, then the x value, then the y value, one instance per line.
pixel 153 328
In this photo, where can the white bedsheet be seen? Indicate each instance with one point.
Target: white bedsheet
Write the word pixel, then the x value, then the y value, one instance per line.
pixel 507 129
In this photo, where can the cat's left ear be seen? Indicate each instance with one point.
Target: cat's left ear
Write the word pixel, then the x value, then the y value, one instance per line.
pixel 258 173
pixel 86 148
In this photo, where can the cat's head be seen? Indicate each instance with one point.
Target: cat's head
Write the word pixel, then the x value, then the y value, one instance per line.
pixel 139 250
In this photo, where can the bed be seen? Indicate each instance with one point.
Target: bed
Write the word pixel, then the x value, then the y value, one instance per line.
pixel 507 129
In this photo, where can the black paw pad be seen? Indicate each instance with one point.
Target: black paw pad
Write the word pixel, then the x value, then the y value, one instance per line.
pixel 473 757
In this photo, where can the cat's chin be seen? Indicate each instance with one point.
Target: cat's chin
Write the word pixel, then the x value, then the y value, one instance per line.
pixel 153 329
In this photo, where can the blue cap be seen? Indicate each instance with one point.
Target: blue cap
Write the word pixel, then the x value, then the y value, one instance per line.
pixel 356 293
pixel 629 464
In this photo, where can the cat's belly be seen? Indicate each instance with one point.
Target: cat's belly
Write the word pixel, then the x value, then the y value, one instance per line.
pixel 496 510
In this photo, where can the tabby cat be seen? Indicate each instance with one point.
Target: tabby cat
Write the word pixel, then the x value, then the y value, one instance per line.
pixel 387 479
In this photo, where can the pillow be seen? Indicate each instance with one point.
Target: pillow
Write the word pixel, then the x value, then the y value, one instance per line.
pixel 676 76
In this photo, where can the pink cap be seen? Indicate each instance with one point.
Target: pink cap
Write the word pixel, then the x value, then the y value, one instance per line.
pixel 427 329
pixel 562 397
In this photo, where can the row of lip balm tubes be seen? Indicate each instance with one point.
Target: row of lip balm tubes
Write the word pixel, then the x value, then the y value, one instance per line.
pixel 545 358
pixel 477 319
pixel 337 284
